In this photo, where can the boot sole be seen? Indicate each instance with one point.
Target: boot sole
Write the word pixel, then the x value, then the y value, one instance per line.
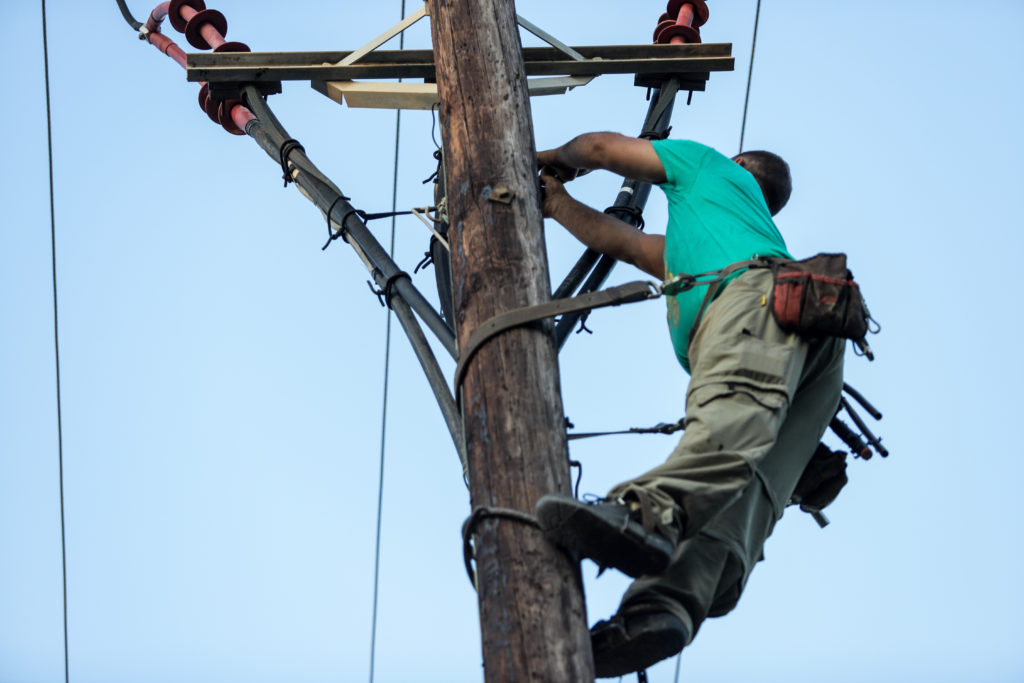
pixel 577 527
pixel 651 640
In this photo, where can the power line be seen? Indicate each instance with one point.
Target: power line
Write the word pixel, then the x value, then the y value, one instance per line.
pixel 56 343
pixel 384 407
pixel 750 75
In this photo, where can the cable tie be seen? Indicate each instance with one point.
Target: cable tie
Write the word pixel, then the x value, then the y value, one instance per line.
pixel 389 286
pixel 330 233
pixel 341 230
pixel 579 476
pixel 386 293
pixel 482 512
pixel 287 147
pixel 428 259
pixel 376 292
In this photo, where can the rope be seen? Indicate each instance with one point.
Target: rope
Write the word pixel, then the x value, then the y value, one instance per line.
pixel 384 405
pixel 56 344
pixel 750 75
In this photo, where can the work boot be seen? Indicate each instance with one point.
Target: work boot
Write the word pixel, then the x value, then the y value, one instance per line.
pixel 636 638
pixel 610 532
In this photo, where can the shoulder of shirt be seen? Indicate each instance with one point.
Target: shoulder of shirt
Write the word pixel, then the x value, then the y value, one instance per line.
pixel 682 146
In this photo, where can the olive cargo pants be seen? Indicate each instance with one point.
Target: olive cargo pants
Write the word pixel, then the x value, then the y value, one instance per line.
pixel 758 403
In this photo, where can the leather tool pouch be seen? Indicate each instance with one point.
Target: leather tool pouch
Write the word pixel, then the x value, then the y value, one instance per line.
pixel 817 297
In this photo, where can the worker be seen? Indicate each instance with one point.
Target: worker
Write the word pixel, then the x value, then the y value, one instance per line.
pixel 758 402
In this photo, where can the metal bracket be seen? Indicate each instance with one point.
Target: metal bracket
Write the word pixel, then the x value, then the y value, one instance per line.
pixel 562 84
pixel 548 38
pixel 538 86
pixel 384 37
pixel 501 195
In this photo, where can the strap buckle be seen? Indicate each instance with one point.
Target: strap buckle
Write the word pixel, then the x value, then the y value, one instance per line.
pixel 679 283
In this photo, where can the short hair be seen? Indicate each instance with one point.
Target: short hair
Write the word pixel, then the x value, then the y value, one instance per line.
pixel 772 174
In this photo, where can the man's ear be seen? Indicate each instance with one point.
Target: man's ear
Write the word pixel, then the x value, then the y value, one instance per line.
pixel 740 160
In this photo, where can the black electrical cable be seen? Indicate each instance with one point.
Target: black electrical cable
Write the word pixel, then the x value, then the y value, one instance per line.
pixel 268 132
pixel 56 343
pixel 750 75
pixel 128 15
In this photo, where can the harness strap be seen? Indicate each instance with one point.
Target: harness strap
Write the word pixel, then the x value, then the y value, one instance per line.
pixel 613 296
pixel 714 285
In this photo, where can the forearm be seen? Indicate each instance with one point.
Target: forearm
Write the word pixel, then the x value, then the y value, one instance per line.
pixel 609 235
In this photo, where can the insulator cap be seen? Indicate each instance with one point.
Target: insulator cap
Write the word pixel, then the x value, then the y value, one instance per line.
pixel 700 11
pixel 174 12
pixel 193 29
pixel 207 104
pixel 661 27
pixel 688 33
pixel 232 46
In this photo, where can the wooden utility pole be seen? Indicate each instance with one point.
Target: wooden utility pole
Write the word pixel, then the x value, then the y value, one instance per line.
pixel 532 614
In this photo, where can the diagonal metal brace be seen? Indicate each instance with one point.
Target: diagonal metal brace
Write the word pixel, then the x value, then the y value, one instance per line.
pixel 384 37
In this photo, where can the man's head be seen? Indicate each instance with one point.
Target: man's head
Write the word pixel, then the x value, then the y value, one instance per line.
pixel 771 173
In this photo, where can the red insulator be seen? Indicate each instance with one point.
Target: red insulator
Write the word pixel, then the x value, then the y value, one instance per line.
pixel 206 29
pixel 698 11
pixel 224 117
pixel 232 46
pixel 661 27
pixel 178 18
pixel 666 17
pixel 207 104
pixel 677 34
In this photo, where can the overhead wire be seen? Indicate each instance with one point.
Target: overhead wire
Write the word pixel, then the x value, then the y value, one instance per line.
pixel 743 131
pixel 384 406
pixel 750 75
pixel 56 344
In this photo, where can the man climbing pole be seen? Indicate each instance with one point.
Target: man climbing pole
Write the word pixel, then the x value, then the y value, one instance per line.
pixel 758 402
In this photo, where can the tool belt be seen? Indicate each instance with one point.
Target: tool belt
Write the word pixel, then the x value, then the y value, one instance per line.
pixel 814 297
pixel 817 297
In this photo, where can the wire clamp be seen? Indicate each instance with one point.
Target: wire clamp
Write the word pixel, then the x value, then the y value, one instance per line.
pixel 623 212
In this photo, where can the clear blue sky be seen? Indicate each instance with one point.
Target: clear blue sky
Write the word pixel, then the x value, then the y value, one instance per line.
pixel 222 377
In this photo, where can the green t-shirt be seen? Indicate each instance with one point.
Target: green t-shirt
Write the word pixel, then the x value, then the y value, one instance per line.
pixel 717 216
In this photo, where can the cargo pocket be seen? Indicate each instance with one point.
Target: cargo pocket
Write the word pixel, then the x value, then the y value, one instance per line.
pixel 766 370
pixel 704 395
